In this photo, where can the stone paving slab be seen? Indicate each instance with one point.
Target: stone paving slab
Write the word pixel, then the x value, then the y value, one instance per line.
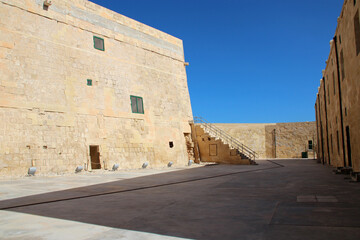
pixel 133 182
pixel 218 202
pixel 31 185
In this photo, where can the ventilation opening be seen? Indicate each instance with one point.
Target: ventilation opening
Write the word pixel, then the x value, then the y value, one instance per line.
pixel 95 157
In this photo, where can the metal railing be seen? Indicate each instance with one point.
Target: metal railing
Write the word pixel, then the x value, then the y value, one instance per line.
pixel 225 137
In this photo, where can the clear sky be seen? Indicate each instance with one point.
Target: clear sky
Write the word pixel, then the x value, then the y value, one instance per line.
pixel 250 61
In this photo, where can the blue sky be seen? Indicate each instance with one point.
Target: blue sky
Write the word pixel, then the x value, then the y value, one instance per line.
pixel 250 61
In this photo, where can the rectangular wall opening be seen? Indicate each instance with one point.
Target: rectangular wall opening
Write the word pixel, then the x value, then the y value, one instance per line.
pixel 348 146
pixel 212 150
pixel 357 32
pixel 95 157
pixel 310 145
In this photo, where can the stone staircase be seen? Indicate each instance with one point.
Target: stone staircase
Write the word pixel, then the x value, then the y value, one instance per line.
pixel 215 132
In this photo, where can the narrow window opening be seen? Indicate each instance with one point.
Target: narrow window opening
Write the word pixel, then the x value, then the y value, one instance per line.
pixel 310 144
pixel 171 144
pixel 348 144
pixel 89 82
pixel 334 83
pixel 357 32
pixel 342 64
pixel 338 145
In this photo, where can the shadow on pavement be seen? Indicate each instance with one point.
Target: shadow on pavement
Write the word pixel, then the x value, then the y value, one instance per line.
pixel 221 202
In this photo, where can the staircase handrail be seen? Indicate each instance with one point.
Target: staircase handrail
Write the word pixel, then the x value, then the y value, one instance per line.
pixel 224 135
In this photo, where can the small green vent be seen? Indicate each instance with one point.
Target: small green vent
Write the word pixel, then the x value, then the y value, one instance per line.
pixel 89 82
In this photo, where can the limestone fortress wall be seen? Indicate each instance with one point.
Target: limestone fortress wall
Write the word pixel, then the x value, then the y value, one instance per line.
pixel 81 85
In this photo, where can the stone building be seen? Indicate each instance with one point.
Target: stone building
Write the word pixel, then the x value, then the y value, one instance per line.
pixel 81 85
pixel 337 104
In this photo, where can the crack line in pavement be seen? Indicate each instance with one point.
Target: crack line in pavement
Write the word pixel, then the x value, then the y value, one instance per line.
pixel 276 163
pixel 139 188
pixel 275 210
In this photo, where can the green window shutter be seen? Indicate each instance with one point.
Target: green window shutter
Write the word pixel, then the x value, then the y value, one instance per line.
pixel 140 105
pixel 99 43
pixel 137 104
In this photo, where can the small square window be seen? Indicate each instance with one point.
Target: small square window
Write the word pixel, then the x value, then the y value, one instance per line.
pixel 137 104
pixel 99 43
pixel 89 82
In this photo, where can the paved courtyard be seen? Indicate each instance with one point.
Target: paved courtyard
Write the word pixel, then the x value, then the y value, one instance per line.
pixel 277 199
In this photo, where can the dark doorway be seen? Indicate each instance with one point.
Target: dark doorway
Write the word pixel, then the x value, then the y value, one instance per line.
pixel 348 145
pixel 95 157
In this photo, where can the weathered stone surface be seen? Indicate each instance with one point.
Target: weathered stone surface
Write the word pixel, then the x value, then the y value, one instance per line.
pixel 50 116
pixel 338 99
pixel 291 138
pixel 213 149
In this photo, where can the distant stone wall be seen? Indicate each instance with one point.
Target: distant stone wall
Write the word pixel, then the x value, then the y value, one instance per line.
pixel 252 135
pixel 274 140
pixel 293 138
